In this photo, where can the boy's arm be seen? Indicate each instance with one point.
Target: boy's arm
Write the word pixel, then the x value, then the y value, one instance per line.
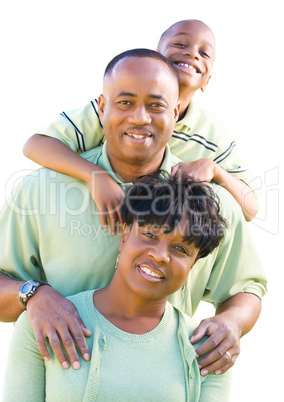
pixel 208 170
pixel 54 154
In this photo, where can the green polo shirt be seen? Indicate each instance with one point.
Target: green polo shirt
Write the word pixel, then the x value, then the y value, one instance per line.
pixel 200 134
pixel 51 230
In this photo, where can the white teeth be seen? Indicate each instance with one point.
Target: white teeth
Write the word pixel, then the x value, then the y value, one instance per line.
pixel 149 272
pixel 187 66
pixel 137 136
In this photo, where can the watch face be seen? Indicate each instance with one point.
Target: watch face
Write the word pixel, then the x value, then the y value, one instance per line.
pixel 26 287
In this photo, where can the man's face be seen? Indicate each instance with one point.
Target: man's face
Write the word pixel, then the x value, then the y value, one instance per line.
pixel 190 46
pixel 138 110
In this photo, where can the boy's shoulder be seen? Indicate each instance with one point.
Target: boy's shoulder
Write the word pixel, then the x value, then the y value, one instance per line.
pixel 200 120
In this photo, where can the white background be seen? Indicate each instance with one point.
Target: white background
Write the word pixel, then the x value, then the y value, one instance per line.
pixel 53 54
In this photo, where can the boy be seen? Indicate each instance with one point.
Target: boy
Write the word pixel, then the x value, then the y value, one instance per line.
pixel 199 138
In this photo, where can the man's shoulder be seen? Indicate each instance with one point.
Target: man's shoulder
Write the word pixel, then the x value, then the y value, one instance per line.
pixel 229 208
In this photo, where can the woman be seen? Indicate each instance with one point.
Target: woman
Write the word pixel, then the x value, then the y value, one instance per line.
pixel 140 343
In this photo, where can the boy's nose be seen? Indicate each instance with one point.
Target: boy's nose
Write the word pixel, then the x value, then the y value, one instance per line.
pixel 191 52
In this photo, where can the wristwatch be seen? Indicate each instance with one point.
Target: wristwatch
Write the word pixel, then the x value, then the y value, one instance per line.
pixel 28 289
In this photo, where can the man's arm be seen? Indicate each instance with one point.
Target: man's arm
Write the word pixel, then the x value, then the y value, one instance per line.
pixel 10 305
pixel 234 318
pixel 52 316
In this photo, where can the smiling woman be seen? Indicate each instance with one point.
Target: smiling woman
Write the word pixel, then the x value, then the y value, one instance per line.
pixel 132 323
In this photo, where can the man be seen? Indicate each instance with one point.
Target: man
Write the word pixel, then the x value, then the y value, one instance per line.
pixel 51 229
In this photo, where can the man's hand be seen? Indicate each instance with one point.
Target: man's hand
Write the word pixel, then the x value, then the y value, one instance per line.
pixel 109 197
pixel 223 344
pixel 56 318
pixel 234 318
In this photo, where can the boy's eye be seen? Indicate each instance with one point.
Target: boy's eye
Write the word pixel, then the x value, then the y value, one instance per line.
pixel 204 54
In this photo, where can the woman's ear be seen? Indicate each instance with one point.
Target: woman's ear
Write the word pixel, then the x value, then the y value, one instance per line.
pixel 123 235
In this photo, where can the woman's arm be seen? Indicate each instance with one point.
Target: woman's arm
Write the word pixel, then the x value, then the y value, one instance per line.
pixel 25 370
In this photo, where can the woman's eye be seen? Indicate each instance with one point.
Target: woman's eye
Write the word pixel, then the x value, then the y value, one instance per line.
pixel 181 249
pixel 179 44
pixel 149 235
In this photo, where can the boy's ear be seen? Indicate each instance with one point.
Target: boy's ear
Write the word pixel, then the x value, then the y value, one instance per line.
pixel 101 105
pixel 204 86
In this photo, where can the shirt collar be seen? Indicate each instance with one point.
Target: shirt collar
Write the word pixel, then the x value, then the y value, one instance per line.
pixel 105 163
pixel 189 119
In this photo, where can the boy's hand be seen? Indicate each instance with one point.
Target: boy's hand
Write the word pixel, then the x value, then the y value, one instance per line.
pixel 200 170
pixel 223 344
pixel 109 197
pixel 54 317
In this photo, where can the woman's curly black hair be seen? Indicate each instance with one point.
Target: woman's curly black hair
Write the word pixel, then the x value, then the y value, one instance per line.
pixel 162 201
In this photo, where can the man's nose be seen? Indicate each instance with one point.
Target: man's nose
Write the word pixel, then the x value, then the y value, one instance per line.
pixel 140 116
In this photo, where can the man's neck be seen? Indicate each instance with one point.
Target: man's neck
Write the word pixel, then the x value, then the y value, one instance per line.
pixel 128 171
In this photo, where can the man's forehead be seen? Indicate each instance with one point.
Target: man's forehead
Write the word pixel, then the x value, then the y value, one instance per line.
pixel 136 65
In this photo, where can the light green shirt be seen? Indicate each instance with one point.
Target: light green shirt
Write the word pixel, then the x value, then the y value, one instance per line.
pixel 51 230
pixel 157 366
pixel 200 134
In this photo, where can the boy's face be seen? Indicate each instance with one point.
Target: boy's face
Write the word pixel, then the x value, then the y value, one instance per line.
pixel 190 46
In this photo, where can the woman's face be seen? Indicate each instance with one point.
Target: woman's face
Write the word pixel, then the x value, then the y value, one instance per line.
pixel 154 264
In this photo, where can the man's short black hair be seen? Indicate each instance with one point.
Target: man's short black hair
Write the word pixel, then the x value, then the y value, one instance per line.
pixel 139 52
pixel 162 201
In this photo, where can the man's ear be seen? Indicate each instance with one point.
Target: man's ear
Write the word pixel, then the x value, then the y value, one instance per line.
pixel 176 111
pixel 205 86
pixel 101 105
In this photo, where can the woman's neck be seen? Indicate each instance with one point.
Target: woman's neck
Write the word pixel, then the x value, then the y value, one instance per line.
pixel 127 311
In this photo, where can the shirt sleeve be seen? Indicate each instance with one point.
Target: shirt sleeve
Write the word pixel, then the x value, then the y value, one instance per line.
pixel 237 267
pixel 216 388
pixel 25 370
pixel 19 243
pixel 80 129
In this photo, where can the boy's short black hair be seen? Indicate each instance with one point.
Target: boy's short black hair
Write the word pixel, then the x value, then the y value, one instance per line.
pixel 139 52
pixel 162 201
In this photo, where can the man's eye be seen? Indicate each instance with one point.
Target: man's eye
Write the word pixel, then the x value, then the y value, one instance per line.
pixel 157 105
pixel 124 102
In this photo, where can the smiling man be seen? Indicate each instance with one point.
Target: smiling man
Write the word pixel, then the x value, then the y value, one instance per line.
pixel 51 229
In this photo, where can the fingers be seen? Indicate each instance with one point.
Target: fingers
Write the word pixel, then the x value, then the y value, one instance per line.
pixel 175 170
pixel 113 212
pixel 219 360
pixel 220 351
